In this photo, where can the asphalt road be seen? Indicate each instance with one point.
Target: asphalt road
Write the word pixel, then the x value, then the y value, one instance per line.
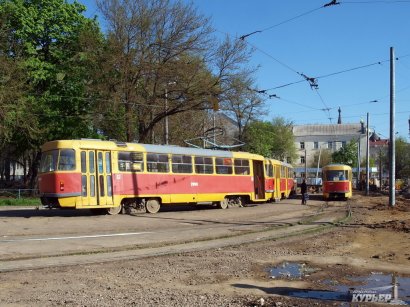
pixel 32 238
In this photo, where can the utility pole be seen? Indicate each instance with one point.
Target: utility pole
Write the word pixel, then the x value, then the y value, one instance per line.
pixel 358 183
pixel 166 129
pixel 392 144
pixel 367 155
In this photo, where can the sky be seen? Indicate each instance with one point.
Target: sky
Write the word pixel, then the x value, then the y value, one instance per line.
pixel 345 47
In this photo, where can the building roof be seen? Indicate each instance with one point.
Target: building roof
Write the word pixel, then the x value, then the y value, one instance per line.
pixel 384 142
pixel 327 129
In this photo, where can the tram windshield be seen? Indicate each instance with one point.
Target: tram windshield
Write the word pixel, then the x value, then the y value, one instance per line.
pixel 336 175
pixel 57 159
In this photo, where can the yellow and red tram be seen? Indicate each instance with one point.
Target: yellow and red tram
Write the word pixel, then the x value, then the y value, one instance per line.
pixel 109 175
pixel 279 181
pixel 337 181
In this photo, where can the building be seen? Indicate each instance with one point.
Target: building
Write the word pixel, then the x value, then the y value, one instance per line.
pixel 311 140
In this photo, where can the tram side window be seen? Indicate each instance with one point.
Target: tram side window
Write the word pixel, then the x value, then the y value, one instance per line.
pixel 181 164
pixel 242 167
pixel 269 170
pixel 49 161
pixel 204 165
pixel 223 165
pixel 83 162
pixel 127 159
pixel 157 163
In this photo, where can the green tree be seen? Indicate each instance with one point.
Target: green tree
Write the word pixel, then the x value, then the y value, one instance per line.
pixel 259 138
pixel 346 154
pixel 50 41
pixel 271 139
pixel 402 158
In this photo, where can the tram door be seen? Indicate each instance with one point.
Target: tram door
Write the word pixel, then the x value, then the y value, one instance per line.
pixel 96 178
pixel 278 193
pixel 258 179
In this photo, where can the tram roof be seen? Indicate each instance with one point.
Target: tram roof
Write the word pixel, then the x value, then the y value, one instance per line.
pixel 337 165
pixel 114 145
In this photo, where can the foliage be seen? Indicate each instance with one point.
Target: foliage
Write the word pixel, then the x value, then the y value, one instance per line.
pixel 402 158
pixel 271 139
pixel 325 158
pixel 346 154
pixel 48 40
pixel 47 37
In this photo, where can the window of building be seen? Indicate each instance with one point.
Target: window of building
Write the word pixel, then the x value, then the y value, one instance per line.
pixel 181 164
pixel 242 167
pixel 302 159
pixel 204 165
pixel 223 165
pixel 302 145
pixel 329 145
pixel 344 144
pixel 316 145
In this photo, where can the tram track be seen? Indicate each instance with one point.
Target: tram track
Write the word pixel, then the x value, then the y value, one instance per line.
pixel 321 219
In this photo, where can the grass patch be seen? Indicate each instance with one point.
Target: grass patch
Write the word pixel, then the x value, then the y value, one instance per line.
pixel 20 202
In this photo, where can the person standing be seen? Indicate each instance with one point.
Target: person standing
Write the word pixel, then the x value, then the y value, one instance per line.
pixel 303 190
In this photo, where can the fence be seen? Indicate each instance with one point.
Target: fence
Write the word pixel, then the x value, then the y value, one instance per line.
pixel 19 193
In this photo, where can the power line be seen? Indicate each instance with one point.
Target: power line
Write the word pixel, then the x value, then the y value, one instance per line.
pixel 335 73
pixel 293 18
pixel 375 1
pixel 331 3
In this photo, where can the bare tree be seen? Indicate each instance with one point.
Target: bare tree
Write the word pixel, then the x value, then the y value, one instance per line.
pixel 241 103
pixel 161 51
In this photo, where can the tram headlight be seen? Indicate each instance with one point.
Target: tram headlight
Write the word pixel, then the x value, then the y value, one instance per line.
pixel 61 185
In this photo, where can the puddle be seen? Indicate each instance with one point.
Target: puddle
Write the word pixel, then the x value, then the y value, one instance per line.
pixel 375 287
pixel 291 270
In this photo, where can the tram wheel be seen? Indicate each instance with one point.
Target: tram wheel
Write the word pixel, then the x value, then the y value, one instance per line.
pixel 114 210
pixel 223 204
pixel 152 206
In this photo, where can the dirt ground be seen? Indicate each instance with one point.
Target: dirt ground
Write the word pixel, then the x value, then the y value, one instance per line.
pixel 375 240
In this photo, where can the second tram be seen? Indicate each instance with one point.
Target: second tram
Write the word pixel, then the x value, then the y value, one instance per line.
pixel 337 181
pixel 279 182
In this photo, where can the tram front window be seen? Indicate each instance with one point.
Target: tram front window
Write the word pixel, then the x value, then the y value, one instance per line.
pixel 49 161
pixel 336 175
pixel 62 160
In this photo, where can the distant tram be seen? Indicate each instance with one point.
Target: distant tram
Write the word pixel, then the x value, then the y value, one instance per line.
pixel 337 181
pixel 109 176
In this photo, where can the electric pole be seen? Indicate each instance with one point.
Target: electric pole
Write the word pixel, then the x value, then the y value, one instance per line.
pixel 392 144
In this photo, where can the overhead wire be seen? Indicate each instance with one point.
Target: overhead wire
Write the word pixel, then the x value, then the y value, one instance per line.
pixel 375 1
